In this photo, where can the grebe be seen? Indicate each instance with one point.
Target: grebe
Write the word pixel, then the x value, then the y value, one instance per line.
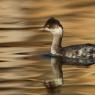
pixel 74 51
pixel 81 54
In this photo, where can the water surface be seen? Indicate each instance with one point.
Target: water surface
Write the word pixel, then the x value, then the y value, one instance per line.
pixel 22 69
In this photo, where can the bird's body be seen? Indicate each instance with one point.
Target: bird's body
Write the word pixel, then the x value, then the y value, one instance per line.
pixel 73 51
pixel 79 51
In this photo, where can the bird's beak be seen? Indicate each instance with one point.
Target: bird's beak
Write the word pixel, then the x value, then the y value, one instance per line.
pixel 43 29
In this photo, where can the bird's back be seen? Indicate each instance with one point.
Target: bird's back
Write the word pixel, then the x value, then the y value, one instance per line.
pixel 79 51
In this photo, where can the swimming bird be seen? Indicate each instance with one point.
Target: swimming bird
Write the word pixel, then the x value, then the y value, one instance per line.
pixel 54 26
pixel 79 54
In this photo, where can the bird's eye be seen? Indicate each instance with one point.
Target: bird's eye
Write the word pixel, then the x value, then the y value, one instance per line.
pixel 48 26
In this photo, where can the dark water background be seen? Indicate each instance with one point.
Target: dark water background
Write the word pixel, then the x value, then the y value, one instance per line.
pixel 21 70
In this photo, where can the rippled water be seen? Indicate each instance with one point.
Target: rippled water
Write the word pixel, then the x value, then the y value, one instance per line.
pixel 22 69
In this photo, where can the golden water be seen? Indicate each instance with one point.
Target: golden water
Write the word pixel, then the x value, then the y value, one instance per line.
pixel 21 70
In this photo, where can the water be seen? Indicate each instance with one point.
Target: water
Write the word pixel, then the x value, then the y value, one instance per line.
pixel 22 44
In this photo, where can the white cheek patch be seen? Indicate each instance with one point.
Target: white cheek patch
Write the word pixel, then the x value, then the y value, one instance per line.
pixel 47 29
pixel 56 31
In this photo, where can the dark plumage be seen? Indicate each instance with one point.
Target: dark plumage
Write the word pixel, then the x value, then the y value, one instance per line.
pixel 52 22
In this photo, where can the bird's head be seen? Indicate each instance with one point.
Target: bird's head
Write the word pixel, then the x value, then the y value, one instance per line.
pixel 54 26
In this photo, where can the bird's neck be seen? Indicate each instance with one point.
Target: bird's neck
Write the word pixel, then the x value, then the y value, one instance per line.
pixel 56 44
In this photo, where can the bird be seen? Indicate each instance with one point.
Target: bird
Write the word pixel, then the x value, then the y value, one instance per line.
pixel 79 54
pixel 54 26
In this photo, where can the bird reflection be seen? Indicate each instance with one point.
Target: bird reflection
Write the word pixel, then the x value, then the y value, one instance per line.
pixel 56 64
